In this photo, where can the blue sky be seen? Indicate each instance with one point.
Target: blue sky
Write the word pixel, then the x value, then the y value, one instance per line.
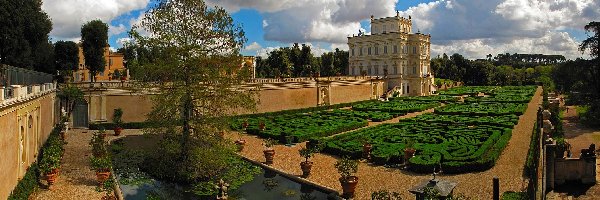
pixel 473 28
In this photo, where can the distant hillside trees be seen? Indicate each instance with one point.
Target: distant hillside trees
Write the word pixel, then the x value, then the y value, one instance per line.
pixel 298 61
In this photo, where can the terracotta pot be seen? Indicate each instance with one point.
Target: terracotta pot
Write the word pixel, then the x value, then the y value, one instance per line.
pixel 269 155
pixel 261 126
pixel 348 186
pixel 102 175
pixel 63 135
pixel 367 151
pixel 240 143
pixel 245 124
pixel 52 176
pixel 408 153
pixel 118 131
pixel 306 166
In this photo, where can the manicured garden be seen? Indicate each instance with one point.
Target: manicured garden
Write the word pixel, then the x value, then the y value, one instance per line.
pixel 483 109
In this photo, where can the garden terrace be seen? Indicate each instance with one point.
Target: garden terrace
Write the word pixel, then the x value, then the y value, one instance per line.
pixel 482 109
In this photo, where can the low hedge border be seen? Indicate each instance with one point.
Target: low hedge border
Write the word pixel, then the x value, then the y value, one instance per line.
pixel 304 110
pixel 29 183
pixel 127 125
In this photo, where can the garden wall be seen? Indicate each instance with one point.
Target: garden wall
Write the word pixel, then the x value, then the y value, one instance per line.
pixel 273 95
pixel 25 123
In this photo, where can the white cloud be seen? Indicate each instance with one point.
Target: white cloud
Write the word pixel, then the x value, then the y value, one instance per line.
pixel 304 21
pixel 69 15
pixel 253 46
pixel 264 52
pixel 476 28
pixel 123 41
pixel 116 30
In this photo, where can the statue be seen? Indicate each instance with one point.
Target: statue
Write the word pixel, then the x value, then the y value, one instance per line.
pixel 222 189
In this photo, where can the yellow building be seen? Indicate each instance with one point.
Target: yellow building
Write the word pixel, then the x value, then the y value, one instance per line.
pixel 114 62
pixel 250 62
pixel 392 51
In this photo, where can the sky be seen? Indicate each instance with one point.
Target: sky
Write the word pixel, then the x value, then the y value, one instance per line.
pixel 473 28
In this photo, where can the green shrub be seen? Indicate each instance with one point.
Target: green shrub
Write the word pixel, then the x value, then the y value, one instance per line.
pixel 27 185
pixel 510 195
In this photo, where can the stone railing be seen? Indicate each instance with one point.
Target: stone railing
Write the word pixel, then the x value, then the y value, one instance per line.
pixel 103 84
pixel 19 93
pixel 309 79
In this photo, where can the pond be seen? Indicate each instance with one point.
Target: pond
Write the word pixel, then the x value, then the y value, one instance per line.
pixel 265 186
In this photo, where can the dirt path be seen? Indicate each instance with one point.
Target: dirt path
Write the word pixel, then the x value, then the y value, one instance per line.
pixel 509 167
pixel 76 179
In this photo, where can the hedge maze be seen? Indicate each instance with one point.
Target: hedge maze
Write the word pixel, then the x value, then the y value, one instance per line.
pixel 458 137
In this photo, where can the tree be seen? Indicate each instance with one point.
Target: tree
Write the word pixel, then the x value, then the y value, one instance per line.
pixel 197 55
pixel 24 29
pixel 94 40
pixel 278 59
pixel 593 45
pixel 340 61
pixel 66 55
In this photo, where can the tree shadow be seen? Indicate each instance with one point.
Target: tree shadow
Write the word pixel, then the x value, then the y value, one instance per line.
pixel 573 188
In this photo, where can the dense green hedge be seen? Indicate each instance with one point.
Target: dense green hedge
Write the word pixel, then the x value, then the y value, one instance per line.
pixel 302 126
pixel 395 107
pixel 436 98
pixel 458 147
pixel 303 110
pixel 128 125
pixel 29 183
pixel 468 90
pixel 507 121
pixel 510 195
pixel 482 109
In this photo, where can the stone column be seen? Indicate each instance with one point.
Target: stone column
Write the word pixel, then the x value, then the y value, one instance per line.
pixel 1 94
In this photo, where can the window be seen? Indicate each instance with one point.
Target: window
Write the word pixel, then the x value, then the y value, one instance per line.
pixel 361 51
pixel 369 51
pixel 396 70
pixel 414 70
pixel 384 28
pixel 352 51
pixel 376 50
pixel 395 49
pixel 376 70
pixel 385 49
pixel 369 71
pixel 414 50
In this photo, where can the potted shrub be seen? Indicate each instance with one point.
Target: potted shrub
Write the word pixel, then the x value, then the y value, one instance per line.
pixel 269 151
pixel 240 143
pixel 346 168
pixel 306 153
pixel 367 149
pixel 409 150
pixel 99 146
pixel 50 163
pixel 107 187
pixel 102 167
pixel 245 124
pixel 117 120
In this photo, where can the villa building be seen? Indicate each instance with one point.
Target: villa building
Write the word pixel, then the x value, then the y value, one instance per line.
pixel 393 52
pixel 114 62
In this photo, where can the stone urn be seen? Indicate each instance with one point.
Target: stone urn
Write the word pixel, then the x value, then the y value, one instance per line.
pixel 269 155
pixel 348 186
pixel 367 151
pixel 306 166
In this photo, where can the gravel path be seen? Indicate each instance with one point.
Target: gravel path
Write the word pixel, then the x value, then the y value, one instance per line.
pixel 509 167
pixel 76 179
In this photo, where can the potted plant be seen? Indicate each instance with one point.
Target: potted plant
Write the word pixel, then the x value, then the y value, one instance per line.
pixel 261 126
pixel 367 149
pixel 346 168
pixel 107 187
pixel 306 153
pixel 117 120
pixel 245 124
pixel 102 167
pixel 409 150
pixel 269 151
pixel 50 163
pixel 99 146
pixel 240 143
